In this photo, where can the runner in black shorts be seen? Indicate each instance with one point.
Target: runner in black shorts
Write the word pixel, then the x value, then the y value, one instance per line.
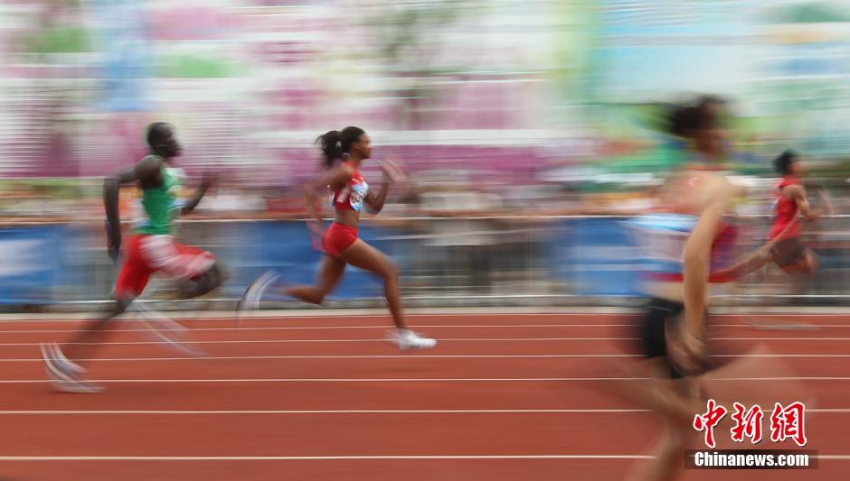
pixel 660 317
pixel 673 329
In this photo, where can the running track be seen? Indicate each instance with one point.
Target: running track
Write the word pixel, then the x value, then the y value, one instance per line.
pixel 503 397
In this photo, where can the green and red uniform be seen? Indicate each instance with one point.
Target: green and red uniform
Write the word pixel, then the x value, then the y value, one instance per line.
pixel 153 247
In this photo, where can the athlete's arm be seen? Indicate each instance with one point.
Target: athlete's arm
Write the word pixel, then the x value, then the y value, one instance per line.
pixel 697 257
pixel 147 172
pixel 391 174
pixel 200 192
pixel 798 193
pixel 335 179
pixel 376 201
pixel 829 209
pixel 750 263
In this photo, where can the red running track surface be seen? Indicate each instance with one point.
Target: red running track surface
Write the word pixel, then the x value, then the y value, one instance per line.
pixel 503 397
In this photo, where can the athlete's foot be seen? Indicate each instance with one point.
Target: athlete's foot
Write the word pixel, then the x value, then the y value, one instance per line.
pixel 250 300
pixel 406 339
pixel 54 352
pixel 63 374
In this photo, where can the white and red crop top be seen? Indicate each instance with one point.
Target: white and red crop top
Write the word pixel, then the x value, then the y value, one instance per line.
pixel 351 196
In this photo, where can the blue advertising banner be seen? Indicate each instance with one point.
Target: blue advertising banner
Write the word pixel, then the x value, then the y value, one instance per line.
pixel 595 257
pixel 30 260
pixel 591 256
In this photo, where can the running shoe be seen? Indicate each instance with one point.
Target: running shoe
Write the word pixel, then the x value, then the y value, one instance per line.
pixel 250 300
pixel 64 374
pixel 407 340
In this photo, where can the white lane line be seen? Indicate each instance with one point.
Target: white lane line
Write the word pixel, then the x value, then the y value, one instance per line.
pixel 418 380
pixel 498 312
pixel 441 339
pixel 329 458
pixel 360 313
pixel 319 411
pixel 385 327
pixel 365 356
pixel 298 341
pixel 337 315
pixel 346 412
pixel 345 328
pixel 423 357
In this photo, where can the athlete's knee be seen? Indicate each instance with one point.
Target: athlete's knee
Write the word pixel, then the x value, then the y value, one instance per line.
pixel 390 271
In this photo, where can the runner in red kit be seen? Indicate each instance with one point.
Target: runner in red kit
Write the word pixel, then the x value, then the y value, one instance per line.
pixel 786 248
pixel 343 153
pixel 791 208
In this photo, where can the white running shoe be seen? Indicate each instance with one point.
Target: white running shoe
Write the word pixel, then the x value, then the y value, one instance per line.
pixel 61 377
pixel 254 293
pixel 406 339
pixel 53 351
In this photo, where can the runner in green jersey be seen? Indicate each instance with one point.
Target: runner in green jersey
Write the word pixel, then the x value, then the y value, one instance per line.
pixel 152 248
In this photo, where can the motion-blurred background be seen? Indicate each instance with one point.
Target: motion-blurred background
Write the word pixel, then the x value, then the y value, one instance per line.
pixel 529 129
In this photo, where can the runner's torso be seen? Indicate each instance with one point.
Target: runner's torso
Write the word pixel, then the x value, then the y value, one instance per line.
pixel 348 200
pixel 160 204
pixel 785 212
pixel 661 238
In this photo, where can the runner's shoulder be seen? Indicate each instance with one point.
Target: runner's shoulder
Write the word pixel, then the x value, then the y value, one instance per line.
pixel 149 167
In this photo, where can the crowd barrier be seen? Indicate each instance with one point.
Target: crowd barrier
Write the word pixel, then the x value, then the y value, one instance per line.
pixel 440 259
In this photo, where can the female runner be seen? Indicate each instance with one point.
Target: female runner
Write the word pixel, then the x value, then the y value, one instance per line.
pixel 343 153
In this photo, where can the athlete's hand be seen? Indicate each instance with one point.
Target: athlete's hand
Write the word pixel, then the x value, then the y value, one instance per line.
pixel 113 241
pixel 391 170
pixel 829 209
pixel 114 247
pixel 690 350
pixel 209 180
